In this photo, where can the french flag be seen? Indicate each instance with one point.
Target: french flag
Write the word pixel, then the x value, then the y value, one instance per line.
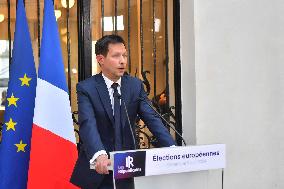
pixel 53 145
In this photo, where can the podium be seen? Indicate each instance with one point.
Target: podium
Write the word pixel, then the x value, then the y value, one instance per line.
pixel 164 166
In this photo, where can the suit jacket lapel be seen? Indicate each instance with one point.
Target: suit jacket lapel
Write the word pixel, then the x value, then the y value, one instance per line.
pixel 125 93
pixel 104 96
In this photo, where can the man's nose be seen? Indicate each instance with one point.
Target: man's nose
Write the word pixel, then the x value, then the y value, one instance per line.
pixel 123 60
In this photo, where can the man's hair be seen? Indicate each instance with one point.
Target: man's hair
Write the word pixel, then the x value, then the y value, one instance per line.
pixel 103 43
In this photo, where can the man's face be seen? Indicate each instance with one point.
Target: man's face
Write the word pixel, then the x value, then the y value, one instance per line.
pixel 113 65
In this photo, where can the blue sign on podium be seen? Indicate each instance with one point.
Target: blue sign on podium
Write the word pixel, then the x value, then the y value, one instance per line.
pixel 129 164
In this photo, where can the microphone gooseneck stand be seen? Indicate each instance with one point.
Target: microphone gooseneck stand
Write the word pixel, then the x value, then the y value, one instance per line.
pixel 128 120
pixel 168 124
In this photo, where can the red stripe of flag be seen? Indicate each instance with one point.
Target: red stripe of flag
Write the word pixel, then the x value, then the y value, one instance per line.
pixel 53 162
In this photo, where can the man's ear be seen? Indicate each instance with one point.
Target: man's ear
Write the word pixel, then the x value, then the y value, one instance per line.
pixel 100 59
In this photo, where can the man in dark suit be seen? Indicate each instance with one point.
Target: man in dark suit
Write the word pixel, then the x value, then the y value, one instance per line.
pixel 102 117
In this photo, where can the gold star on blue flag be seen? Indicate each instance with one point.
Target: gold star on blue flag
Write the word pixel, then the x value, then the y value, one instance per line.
pixel 19 109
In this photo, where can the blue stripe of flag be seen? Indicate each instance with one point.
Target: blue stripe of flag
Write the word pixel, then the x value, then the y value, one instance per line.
pixel 14 165
pixel 51 68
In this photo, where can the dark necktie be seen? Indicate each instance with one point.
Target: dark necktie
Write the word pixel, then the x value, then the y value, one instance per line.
pixel 117 123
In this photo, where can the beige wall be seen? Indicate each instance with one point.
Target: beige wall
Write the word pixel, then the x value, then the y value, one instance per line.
pixel 239 87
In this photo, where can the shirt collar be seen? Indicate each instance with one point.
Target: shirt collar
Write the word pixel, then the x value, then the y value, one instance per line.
pixel 110 82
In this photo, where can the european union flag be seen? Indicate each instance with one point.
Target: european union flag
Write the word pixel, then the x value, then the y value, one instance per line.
pixel 19 110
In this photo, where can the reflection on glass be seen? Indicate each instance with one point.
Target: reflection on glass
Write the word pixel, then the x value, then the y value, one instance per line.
pixel 57 14
pixel 157 24
pixel 2 17
pixel 109 23
pixel 64 3
pixel 4 69
pixel 94 60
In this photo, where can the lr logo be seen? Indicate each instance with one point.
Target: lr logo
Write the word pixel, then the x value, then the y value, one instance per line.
pixel 129 162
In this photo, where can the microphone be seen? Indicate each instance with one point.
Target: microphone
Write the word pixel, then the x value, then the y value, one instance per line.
pixel 128 120
pixel 167 123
